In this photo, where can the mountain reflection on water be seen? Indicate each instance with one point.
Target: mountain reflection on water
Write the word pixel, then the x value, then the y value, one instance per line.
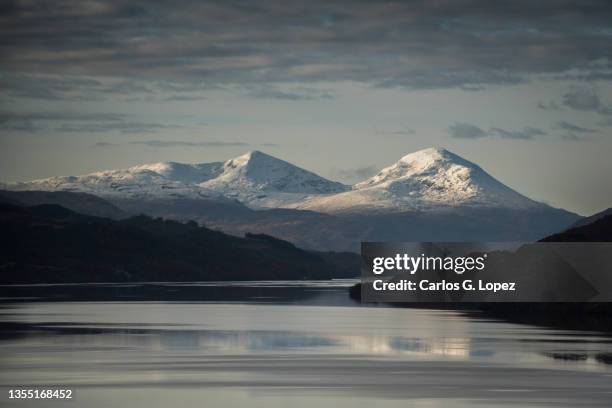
pixel 289 344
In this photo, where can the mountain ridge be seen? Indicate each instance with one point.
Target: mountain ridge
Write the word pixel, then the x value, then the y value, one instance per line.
pixel 51 244
pixel 255 178
pixel 429 195
pixel 432 179
pixel 263 181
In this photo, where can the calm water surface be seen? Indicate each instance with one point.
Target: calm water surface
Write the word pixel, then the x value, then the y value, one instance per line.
pixel 283 344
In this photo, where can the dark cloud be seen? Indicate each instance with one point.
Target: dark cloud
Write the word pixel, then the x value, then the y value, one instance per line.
pixel 574 128
pixel 356 174
pixel 104 144
pixel 300 94
pixel 463 130
pixel 573 137
pixel 55 87
pixel 182 143
pixel 55 116
pixel 24 125
pixel 583 98
pixel 183 98
pixel 420 44
pixel 29 122
pixel 77 122
pixel 50 87
pixel 527 133
pixel 121 127
pixel 468 81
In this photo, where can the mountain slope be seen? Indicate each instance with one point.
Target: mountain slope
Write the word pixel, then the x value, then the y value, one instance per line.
pixel 48 243
pixel 430 195
pixel 599 230
pixel 591 219
pixel 256 179
pixel 260 180
pixel 79 202
pixel 432 179
pixel 143 182
pixel 345 232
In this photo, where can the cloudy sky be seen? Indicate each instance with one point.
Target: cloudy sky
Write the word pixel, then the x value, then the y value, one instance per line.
pixel 343 88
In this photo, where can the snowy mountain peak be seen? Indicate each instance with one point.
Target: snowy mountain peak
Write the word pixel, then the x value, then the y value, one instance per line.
pixel 254 176
pixel 432 155
pixel 254 159
pixel 432 159
pixel 181 172
pixel 427 180
pixel 145 182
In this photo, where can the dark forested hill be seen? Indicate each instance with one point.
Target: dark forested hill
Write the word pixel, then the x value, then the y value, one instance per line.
pixel 599 230
pixel 49 243
pixel 82 203
pixel 592 218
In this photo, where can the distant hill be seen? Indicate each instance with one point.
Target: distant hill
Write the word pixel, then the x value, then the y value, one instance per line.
pixel 592 218
pixel 83 203
pixel 49 243
pixel 598 231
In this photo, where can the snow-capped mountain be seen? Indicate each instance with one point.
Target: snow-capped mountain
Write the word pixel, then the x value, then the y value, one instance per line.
pixel 260 180
pixel 429 195
pixel 146 182
pixel 256 179
pixel 432 179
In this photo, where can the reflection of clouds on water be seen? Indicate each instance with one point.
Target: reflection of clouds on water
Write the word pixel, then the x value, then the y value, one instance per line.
pixel 270 352
pixel 247 342
pixel 444 346
pixel 249 329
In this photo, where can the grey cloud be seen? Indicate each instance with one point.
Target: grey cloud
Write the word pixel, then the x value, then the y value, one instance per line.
pixel 468 81
pixel 183 98
pixel 20 126
pixel 28 122
pixel 9 116
pixel 464 44
pixel 356 174
pixel 572 137
pixel 122 127
pixel 574 128
pixel 527 133
pixel 463 130
pixel 104 144
pixel 182 143
pixel 585 98
pixel 77 122
pixel 301 94
pixel 549 106
pixel 48 87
